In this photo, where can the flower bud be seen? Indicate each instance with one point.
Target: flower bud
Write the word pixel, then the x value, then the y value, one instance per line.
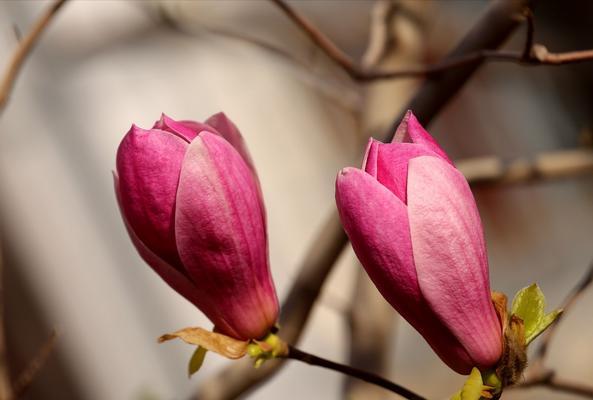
pixel 415 227
pixel 191 201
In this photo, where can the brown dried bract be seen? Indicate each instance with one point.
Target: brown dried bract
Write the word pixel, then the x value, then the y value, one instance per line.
pixel 221 344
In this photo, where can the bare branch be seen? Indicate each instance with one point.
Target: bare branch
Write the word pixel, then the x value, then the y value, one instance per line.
pixel 23 50
pixel 529 35
pixel 544 166
pixel 27 377
pixel 536 54
pixel 550 381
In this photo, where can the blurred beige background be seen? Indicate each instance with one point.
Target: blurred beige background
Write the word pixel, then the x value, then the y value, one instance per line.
pixel 105 64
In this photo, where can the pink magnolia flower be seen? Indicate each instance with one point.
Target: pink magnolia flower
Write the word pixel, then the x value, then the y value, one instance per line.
pixel 191 201
pixel 415 227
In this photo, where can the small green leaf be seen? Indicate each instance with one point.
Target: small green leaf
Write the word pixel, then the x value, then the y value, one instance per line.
pixel 543 325
pixel 196 361
pixel 529 304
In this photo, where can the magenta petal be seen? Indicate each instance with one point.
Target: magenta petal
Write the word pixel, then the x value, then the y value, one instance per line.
pixel 410 131
pixel 369 163
pixel 148 165
pixel 392 165
pixel 186 130
pixel 175 277
pixel 222 239
pixel 376 222
pixel 450 256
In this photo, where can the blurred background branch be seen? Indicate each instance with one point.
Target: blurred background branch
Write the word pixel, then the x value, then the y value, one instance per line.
pixel 536 55
pixel 24 47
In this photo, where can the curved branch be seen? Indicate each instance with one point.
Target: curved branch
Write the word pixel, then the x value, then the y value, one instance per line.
pixel 23 50
pixel 534 54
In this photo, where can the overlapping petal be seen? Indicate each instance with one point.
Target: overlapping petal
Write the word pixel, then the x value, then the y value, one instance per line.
pixel 221 238
pixel 450 256
pixel 411 131
pixel 376 222
pixel 148 165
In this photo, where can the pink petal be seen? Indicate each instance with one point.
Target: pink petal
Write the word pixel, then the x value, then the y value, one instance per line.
pixel 392 165
pixel 228 130
pixel 186 130
pixel 175 277
pixel 369 163
pixel 410 131
pixel 450 256
pixel 148 165
pixel 376 222
pixel 222 239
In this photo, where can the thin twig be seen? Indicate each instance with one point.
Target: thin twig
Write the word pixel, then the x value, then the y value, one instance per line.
pixel 23 382
pixel 549 380
pixel 296 354
pixel 23 50
pixel 537 54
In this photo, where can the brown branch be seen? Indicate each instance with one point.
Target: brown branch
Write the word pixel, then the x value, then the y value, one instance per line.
pixel 529 34
pixel 489 32
pixel 296 354
pixel 27 377
pixel 533 55
pixel 23 50
pixel 544 166
pixel 549 380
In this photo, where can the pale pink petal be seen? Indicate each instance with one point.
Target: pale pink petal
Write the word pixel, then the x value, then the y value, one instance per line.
pixel 222 239
pixel 392 165
pixel 369 163
pixel 228 130
pixel 410 131
pixel 376 222
pixel 450 256
pixel 148 165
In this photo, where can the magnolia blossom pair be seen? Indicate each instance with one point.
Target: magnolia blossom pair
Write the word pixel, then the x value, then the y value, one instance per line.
pixel 191 200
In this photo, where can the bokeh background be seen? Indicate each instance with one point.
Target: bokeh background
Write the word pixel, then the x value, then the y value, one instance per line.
pixel 102 65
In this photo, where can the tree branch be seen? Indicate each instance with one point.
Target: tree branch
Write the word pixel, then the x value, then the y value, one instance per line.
pixel 23 50
pixel 296 354
pixel 531 55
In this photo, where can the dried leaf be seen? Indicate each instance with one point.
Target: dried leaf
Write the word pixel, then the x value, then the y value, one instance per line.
pixel 221 344
pixel 500 305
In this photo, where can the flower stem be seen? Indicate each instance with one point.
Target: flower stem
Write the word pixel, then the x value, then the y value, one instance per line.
pixel 310 359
